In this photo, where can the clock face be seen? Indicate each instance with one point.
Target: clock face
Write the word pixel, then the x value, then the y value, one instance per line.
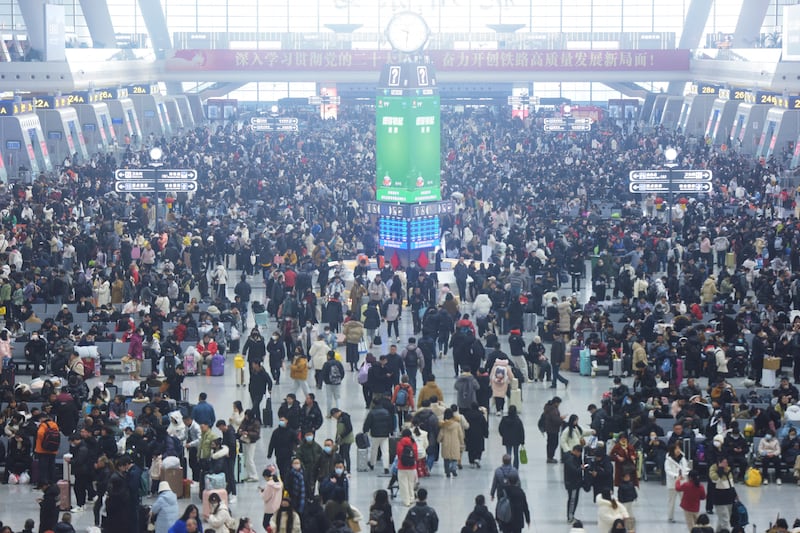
pixel 407 32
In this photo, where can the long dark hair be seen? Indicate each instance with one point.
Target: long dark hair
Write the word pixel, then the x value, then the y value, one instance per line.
pixel 694 477
pixel 187 513
pixel 289 519
pixel 572 424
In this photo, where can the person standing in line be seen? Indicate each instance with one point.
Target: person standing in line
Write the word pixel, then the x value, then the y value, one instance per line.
pixel 520 512
pixel 573 479
pixel 692 493
pixel 512 431
pixel 558 354
pixel 552 426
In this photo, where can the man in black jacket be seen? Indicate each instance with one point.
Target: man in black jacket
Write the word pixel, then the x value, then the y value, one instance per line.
pixel 379 424
pixel 573 479
pixel 229 440
pixel 81 465
pixel 260 383
pixel 282 443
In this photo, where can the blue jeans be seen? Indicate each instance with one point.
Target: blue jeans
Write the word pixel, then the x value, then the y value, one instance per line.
pixel 513 451
pixel 450 466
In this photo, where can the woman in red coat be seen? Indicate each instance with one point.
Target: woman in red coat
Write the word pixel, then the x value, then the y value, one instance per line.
pixel 624 456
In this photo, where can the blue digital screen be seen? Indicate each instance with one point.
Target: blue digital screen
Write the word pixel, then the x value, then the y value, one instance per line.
pixel 424 232
pixel 393 232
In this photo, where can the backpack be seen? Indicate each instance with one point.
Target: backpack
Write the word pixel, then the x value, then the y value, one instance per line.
pixel 412 359
pixel 169 364
pixel 500 375
pixel 407 456
pixel 401 400
pixel 363 373
pixel 419 518
pixel 335 374
pixel 666 366
pixel 381 523
pixel 503 510
pixel 51 441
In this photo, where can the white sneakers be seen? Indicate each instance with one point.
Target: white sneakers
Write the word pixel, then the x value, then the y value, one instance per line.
pixel 76 509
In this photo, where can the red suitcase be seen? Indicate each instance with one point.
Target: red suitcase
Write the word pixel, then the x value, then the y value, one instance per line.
pixel 88 367
pixel 64 500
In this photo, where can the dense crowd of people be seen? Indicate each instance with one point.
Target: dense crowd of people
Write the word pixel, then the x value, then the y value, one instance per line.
pixel 714 299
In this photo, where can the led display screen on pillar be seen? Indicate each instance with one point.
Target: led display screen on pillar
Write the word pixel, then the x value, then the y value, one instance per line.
pixel 408 148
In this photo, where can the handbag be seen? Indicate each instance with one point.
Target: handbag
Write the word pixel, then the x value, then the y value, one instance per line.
pixel 377 341
pixel 523 455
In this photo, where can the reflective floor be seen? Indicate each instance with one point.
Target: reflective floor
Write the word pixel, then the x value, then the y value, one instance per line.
pixel 452 498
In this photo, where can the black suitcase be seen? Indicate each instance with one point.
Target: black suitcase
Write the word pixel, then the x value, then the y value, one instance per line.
pixel 266 415
pixel 393 448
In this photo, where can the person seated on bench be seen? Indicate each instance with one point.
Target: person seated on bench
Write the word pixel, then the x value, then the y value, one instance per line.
pixel 790 453
pixel 75 364
pixel 207 348
pixel 769 450
pixel 735 448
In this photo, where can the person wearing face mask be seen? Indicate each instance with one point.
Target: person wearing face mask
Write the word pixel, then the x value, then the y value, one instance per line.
pixel 327 462
pixel 254 348
pixel 277 353
pixel 296 487
pixel 35 351
pixel 769 449
pixel 337 480
pixel 310 454
pixel 282 443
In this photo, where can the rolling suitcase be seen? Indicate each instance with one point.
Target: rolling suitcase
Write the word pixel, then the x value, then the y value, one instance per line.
pixel 266 415
pixel 362 460
pixel 189 364
pixel 393 448
pixel 616 368
pixel 223 497
pixel 730 260
pixel 88 367
pixel 586 362
pixel 187 489
pixel 64 501
pixel 217 365
pixel 574 358
pixel 174 476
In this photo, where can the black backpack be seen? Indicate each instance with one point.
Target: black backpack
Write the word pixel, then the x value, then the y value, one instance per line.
pixel 412 359
pixel 407 456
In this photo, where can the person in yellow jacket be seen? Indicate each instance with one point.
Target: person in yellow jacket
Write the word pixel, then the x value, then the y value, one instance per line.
pixel 298 371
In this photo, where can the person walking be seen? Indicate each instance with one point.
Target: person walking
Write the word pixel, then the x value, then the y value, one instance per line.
pixel 512 431
pixel 406 467
pixel 260 384
pixel 500 478
pixel 451 438
pixel 353 333
pixel 520 512
pixel 500 376
pixel 476 434
pixel 675 466
pixel 724 492
pixel 403 400
pixel 413 361
pixel 552 427
pixel 379 424
pixel 249 434
pixel 332 376
pixel 573 479
pixel 422 515
pixel 692 493
pixel 558 354
pixel 298 371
